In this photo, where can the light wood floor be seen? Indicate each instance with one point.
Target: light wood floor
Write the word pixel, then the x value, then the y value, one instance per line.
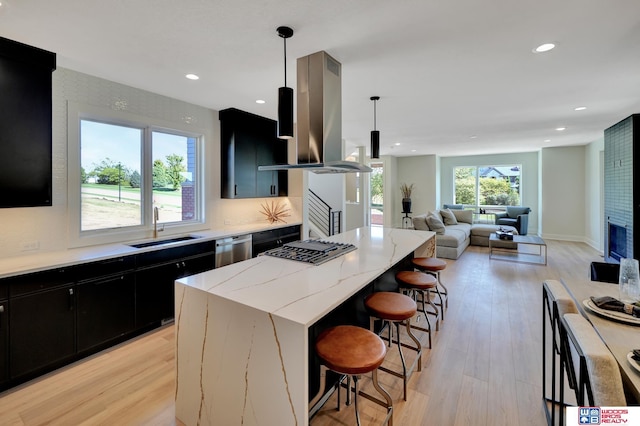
pixel 484 368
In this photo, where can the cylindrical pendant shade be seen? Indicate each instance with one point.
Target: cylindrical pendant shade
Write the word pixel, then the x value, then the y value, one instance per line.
pixel 375 144
pixel 285 113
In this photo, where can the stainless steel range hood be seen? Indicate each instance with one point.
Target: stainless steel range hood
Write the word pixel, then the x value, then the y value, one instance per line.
pixel 319 118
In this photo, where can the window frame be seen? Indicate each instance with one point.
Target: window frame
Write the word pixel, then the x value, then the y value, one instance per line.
pixel 78 238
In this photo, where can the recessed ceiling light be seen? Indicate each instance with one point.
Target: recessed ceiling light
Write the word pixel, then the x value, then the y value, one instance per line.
pixel 397 144
pixel 580 108
pixel 192 77
pixel 473 137
pixel 413 150
pixel 260 101
pixel 544 47
pixel 561 128
pixel 547 140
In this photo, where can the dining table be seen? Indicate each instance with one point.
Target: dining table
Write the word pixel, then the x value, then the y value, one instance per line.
pixel 620 332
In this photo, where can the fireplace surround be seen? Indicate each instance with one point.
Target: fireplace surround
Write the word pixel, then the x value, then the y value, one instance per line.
pixel 621 194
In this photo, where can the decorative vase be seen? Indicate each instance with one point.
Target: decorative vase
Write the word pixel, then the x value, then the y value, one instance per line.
pixel 406 205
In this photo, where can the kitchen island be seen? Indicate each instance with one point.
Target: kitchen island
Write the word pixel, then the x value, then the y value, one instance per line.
pixel 243 331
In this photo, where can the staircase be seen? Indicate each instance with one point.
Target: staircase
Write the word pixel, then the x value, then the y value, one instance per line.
pixel 325 221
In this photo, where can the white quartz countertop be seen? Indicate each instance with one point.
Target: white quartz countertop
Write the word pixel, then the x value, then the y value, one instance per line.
pixel 62 258
pixel 304 293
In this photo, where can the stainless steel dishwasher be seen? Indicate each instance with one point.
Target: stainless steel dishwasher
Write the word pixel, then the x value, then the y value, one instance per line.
pixel 233 249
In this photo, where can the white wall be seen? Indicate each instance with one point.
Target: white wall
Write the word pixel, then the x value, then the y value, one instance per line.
pixel 49 225
pixel 529 178
pixel 562 171
pixel 424 172
pixel 594 194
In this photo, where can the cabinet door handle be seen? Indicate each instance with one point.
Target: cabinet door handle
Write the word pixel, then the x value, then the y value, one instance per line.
pixel 184 264
pixel 235 189
pixel 71 299
pixel 1 312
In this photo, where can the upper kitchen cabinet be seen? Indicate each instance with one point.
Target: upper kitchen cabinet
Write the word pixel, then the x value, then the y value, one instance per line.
pixel 25 124
pixel 248 141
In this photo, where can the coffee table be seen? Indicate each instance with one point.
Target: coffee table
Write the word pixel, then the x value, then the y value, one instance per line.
pixel 524 254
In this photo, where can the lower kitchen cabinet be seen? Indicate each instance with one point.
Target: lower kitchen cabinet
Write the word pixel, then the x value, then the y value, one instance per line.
pixel 42 330
pixel 53 317
pixel 155 287
pixel 273 238
pixel 154 294
pixel 4 340
pixel 106 310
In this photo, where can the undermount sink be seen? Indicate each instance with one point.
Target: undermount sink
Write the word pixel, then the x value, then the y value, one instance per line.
pixel 161 242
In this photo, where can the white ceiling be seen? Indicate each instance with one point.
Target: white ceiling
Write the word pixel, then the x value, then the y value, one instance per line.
pixel 445 70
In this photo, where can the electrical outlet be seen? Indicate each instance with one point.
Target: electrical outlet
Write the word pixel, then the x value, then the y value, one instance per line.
pixel 29 245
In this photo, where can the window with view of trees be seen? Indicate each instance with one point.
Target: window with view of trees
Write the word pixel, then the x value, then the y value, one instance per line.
pixel 487 185
pixel 127 171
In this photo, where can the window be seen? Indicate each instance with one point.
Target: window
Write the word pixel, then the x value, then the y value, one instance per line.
pixel 487 186
pixel 377 193
pixel 110 166
pixel 128 166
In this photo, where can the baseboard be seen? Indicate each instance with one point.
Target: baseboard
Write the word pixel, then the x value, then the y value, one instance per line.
pixel 561 237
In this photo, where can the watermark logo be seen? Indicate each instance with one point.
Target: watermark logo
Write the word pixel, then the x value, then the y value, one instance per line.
pixel 603 415
pixel 588 416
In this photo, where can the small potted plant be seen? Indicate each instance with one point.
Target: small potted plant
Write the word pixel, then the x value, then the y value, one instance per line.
pixel 406 197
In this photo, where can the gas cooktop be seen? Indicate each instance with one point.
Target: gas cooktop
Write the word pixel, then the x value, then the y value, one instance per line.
pixel 315 252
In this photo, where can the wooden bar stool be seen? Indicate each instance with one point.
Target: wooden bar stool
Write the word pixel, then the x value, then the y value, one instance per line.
pixel 352 351
pixel 396 308
pixel 433 266
pixel 419 283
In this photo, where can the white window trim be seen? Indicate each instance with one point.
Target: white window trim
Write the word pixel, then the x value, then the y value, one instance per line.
pixel 78 238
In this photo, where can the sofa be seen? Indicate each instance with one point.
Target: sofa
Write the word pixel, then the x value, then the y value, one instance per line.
pixel 455 231
pixel 518 217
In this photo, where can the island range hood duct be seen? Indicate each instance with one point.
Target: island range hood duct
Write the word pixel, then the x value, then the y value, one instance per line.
pixel 319 125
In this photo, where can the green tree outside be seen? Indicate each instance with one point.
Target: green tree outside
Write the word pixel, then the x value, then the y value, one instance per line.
pixel 174 170
pixel 377 187
pixel 160 175
pixel 109 172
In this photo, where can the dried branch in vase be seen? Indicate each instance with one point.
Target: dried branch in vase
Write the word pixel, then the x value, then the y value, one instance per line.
pixel 275 212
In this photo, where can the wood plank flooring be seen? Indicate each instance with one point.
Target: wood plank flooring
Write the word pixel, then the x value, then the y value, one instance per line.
pixel 484 368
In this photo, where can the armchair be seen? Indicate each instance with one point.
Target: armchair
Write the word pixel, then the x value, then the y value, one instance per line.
pixel 517 217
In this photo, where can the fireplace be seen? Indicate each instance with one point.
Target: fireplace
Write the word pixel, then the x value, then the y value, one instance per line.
pixel 622 190
pixel 617 242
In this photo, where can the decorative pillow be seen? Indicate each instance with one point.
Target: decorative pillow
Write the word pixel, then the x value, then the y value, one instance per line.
pixel 465 216
pixel 448 217
pixel 435 223
pixel 420 223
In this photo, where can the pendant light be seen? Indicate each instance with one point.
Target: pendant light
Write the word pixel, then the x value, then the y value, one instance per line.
pixel 285 94
pixel 375 134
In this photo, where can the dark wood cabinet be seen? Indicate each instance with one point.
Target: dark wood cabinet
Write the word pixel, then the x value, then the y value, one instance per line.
pixel 156 275
pixel 42 330
pixel 248 141
pixel 57 316
pixel 4 341
pixel 106 310
pixel 25 125
pixel 272 238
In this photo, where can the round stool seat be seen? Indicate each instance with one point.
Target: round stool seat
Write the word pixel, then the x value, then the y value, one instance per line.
pixel 348 349
pixel 429 263
pixel 390 306
pixel 415 279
